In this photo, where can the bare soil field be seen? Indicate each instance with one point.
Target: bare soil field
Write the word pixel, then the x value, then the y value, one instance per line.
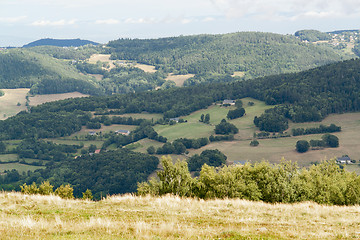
pixel 40 99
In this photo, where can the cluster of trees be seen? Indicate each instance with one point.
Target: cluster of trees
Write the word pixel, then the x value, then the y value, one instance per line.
pixel 325 183
pixel 143 131
pixel 316 130
pixel 45 150
pixel 213 158
pixel 205 118
pixel 236 113
pixel 327 140
pixel 179 146
pixel 313 35
pixel 111 172
pixel 225 127
pixel 271 122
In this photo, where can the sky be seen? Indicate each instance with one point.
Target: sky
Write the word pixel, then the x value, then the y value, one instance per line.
pixel 23 21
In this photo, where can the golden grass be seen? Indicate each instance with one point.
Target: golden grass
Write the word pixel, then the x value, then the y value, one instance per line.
pixel 40 99
pixel 8 102
pixel 146 68
pixel 169 217
pixel 179 79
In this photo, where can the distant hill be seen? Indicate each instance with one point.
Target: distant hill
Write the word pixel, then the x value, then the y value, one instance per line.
pixel 60 42
pixel 253 53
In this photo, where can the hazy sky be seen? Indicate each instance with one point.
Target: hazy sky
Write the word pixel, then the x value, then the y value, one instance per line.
pixel 23 21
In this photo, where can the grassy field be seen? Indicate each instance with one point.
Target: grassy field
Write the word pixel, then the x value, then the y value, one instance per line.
pixel 179 79
pixel 195 129
pixel 130 217
pixel 8 158
pixel 18 166
pixel 40 99
pixel 9 102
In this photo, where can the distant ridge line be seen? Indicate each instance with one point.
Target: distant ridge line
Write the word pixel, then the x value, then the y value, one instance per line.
pixel 60 42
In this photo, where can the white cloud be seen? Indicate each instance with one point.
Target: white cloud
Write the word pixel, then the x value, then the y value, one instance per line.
pixel 107 21
pixel 12 19
pixel 62 22
pixel 290 8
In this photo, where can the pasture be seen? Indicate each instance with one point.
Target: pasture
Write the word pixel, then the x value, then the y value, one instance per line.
pixel 9 102
pixel 19 167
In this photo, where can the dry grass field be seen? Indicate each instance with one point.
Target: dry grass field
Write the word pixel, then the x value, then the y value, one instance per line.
pixel 105 58
pixel 40 99
pixel 102 58
pixel 179 79
pixel 169 217
pixel 8 102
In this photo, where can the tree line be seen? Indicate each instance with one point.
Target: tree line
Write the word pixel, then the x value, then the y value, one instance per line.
pixel 325 183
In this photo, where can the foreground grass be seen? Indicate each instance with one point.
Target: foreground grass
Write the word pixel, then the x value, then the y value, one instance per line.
pixel 129 217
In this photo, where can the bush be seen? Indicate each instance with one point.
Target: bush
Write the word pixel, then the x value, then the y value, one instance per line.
pixel 46 188
pixel 65 191
pixel 151 150
pixel 254 143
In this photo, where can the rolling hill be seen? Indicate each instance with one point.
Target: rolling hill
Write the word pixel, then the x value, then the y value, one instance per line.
pixel 255 54
pixel 20 68
pixel 60 42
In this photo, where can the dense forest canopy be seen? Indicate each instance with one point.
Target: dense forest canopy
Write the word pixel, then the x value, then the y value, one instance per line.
pixel 256 54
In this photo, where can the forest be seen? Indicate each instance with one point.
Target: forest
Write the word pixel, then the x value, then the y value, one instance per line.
pixel 110 172
pixel 255 54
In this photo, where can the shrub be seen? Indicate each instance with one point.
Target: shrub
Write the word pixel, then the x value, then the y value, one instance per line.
pixel 29 189
pixel 46 188
pixel 65 191
pixel 254 143
pixel 87 195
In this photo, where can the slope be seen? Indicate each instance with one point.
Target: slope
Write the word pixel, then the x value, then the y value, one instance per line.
pixel 21 68
pixel 131 217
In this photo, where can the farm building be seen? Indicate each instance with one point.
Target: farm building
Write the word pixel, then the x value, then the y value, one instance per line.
pixel 123 132
pixel 343 160
pixel 229 102
pixel 174 119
